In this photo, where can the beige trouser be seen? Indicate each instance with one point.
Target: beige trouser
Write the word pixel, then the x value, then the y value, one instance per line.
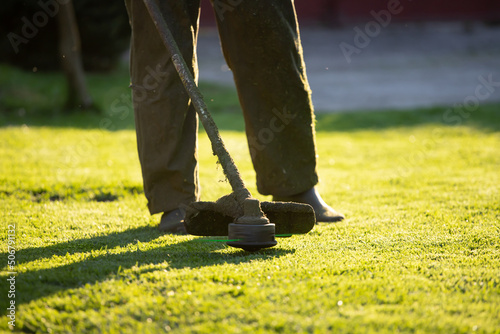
pixel 261 44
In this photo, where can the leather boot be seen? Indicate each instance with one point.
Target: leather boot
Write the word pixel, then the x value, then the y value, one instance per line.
pixel 324 213
pixel 173 222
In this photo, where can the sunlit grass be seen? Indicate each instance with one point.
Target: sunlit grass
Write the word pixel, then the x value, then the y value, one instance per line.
pixel 419 250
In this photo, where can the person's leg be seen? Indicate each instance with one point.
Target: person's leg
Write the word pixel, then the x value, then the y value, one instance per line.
pixel 166 122
pixel 261 44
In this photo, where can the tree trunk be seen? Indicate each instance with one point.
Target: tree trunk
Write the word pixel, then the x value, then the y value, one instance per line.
pixel 71 59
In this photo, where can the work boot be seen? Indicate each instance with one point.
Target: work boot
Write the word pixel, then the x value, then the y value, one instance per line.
pixel 324 213
pixel 173 222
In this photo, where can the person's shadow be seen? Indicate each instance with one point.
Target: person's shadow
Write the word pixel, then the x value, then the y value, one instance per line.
pixel 138 248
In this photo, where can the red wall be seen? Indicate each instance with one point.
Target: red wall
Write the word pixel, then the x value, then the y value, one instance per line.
pixel 334 12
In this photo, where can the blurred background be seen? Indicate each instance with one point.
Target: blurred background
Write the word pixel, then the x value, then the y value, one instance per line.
pixel 427 53
pixel 360 55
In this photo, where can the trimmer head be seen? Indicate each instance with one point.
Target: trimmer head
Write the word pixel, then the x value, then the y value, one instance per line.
pixel 252 231
pixel 214 218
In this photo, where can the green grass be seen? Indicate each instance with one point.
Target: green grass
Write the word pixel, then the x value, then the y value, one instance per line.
pixel 419 251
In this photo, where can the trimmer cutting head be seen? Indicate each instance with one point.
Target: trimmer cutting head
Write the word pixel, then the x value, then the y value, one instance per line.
pixel 244 228
pixel 252 231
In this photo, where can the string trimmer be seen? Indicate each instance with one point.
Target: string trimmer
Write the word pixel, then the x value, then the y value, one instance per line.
pixel 248 223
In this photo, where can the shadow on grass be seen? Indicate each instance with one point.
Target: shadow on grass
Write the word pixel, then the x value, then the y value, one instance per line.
pixel 486 117
pixel 43 193
pixel 33 99
pixel 195 253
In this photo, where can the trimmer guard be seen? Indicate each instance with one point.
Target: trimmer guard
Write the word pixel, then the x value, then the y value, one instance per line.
pixel 209 219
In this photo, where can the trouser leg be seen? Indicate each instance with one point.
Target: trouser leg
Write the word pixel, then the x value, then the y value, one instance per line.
pixel 166 122
pixel 261 44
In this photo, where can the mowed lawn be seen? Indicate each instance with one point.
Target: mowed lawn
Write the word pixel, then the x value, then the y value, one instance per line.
pixel 419 251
